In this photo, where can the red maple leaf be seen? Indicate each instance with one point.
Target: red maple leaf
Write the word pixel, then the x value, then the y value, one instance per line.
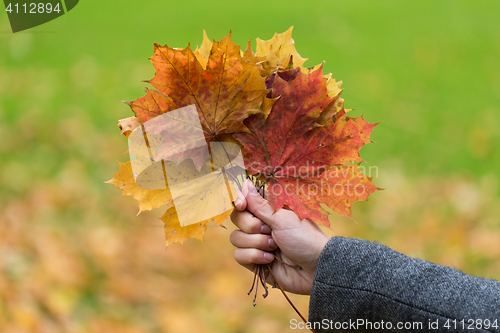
pixel 305 162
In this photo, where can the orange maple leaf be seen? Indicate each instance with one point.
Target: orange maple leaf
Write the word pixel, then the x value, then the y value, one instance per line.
pixel 226 92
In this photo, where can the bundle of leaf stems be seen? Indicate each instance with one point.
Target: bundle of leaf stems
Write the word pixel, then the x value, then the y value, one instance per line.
pixel 261 269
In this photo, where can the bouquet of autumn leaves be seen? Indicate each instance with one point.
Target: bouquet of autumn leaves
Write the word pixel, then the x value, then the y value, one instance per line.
pixel 288 121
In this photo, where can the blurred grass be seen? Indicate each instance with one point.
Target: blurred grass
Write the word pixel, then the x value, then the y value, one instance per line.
pixel 73 256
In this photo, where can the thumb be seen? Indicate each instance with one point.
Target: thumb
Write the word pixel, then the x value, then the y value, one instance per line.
pixel 259 206
pixel 241 202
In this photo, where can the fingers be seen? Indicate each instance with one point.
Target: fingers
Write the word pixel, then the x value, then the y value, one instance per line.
pixel 257 241
pixel 257 205
pixel 248 223
pixel 241 203
pixel 249 257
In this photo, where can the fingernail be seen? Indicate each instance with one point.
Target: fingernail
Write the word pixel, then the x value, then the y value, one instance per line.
pixel 238 203
pixel 268 256
pixel 244 188
pixel 265 229
pixel 251 188
pixel 272 243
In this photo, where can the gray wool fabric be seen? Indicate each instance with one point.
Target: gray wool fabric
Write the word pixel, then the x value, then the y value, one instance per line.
pixel 361 286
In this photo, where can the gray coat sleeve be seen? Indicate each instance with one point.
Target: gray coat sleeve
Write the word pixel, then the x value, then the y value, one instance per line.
pixel 362 286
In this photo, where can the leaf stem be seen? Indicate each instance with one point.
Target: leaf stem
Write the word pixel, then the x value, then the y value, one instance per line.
pixel 284 263
pixel 288 299
pixel 263 281
pixel 254 278
pixel 259 269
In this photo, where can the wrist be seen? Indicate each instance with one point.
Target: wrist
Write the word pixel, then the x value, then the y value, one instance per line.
pixel 320 246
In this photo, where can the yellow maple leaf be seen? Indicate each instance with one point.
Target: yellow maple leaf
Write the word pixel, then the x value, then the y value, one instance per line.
pixel 174 232
pixel 203 52
pixel 279 52
pixel 148 199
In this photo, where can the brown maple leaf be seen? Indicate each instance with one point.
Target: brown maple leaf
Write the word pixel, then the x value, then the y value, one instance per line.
pixel 226 92
pixel 303 162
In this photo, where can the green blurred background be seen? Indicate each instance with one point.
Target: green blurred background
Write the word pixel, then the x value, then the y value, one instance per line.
pixel 75 258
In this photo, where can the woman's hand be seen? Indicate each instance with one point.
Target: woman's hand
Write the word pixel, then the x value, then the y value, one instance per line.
pixel 296 242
